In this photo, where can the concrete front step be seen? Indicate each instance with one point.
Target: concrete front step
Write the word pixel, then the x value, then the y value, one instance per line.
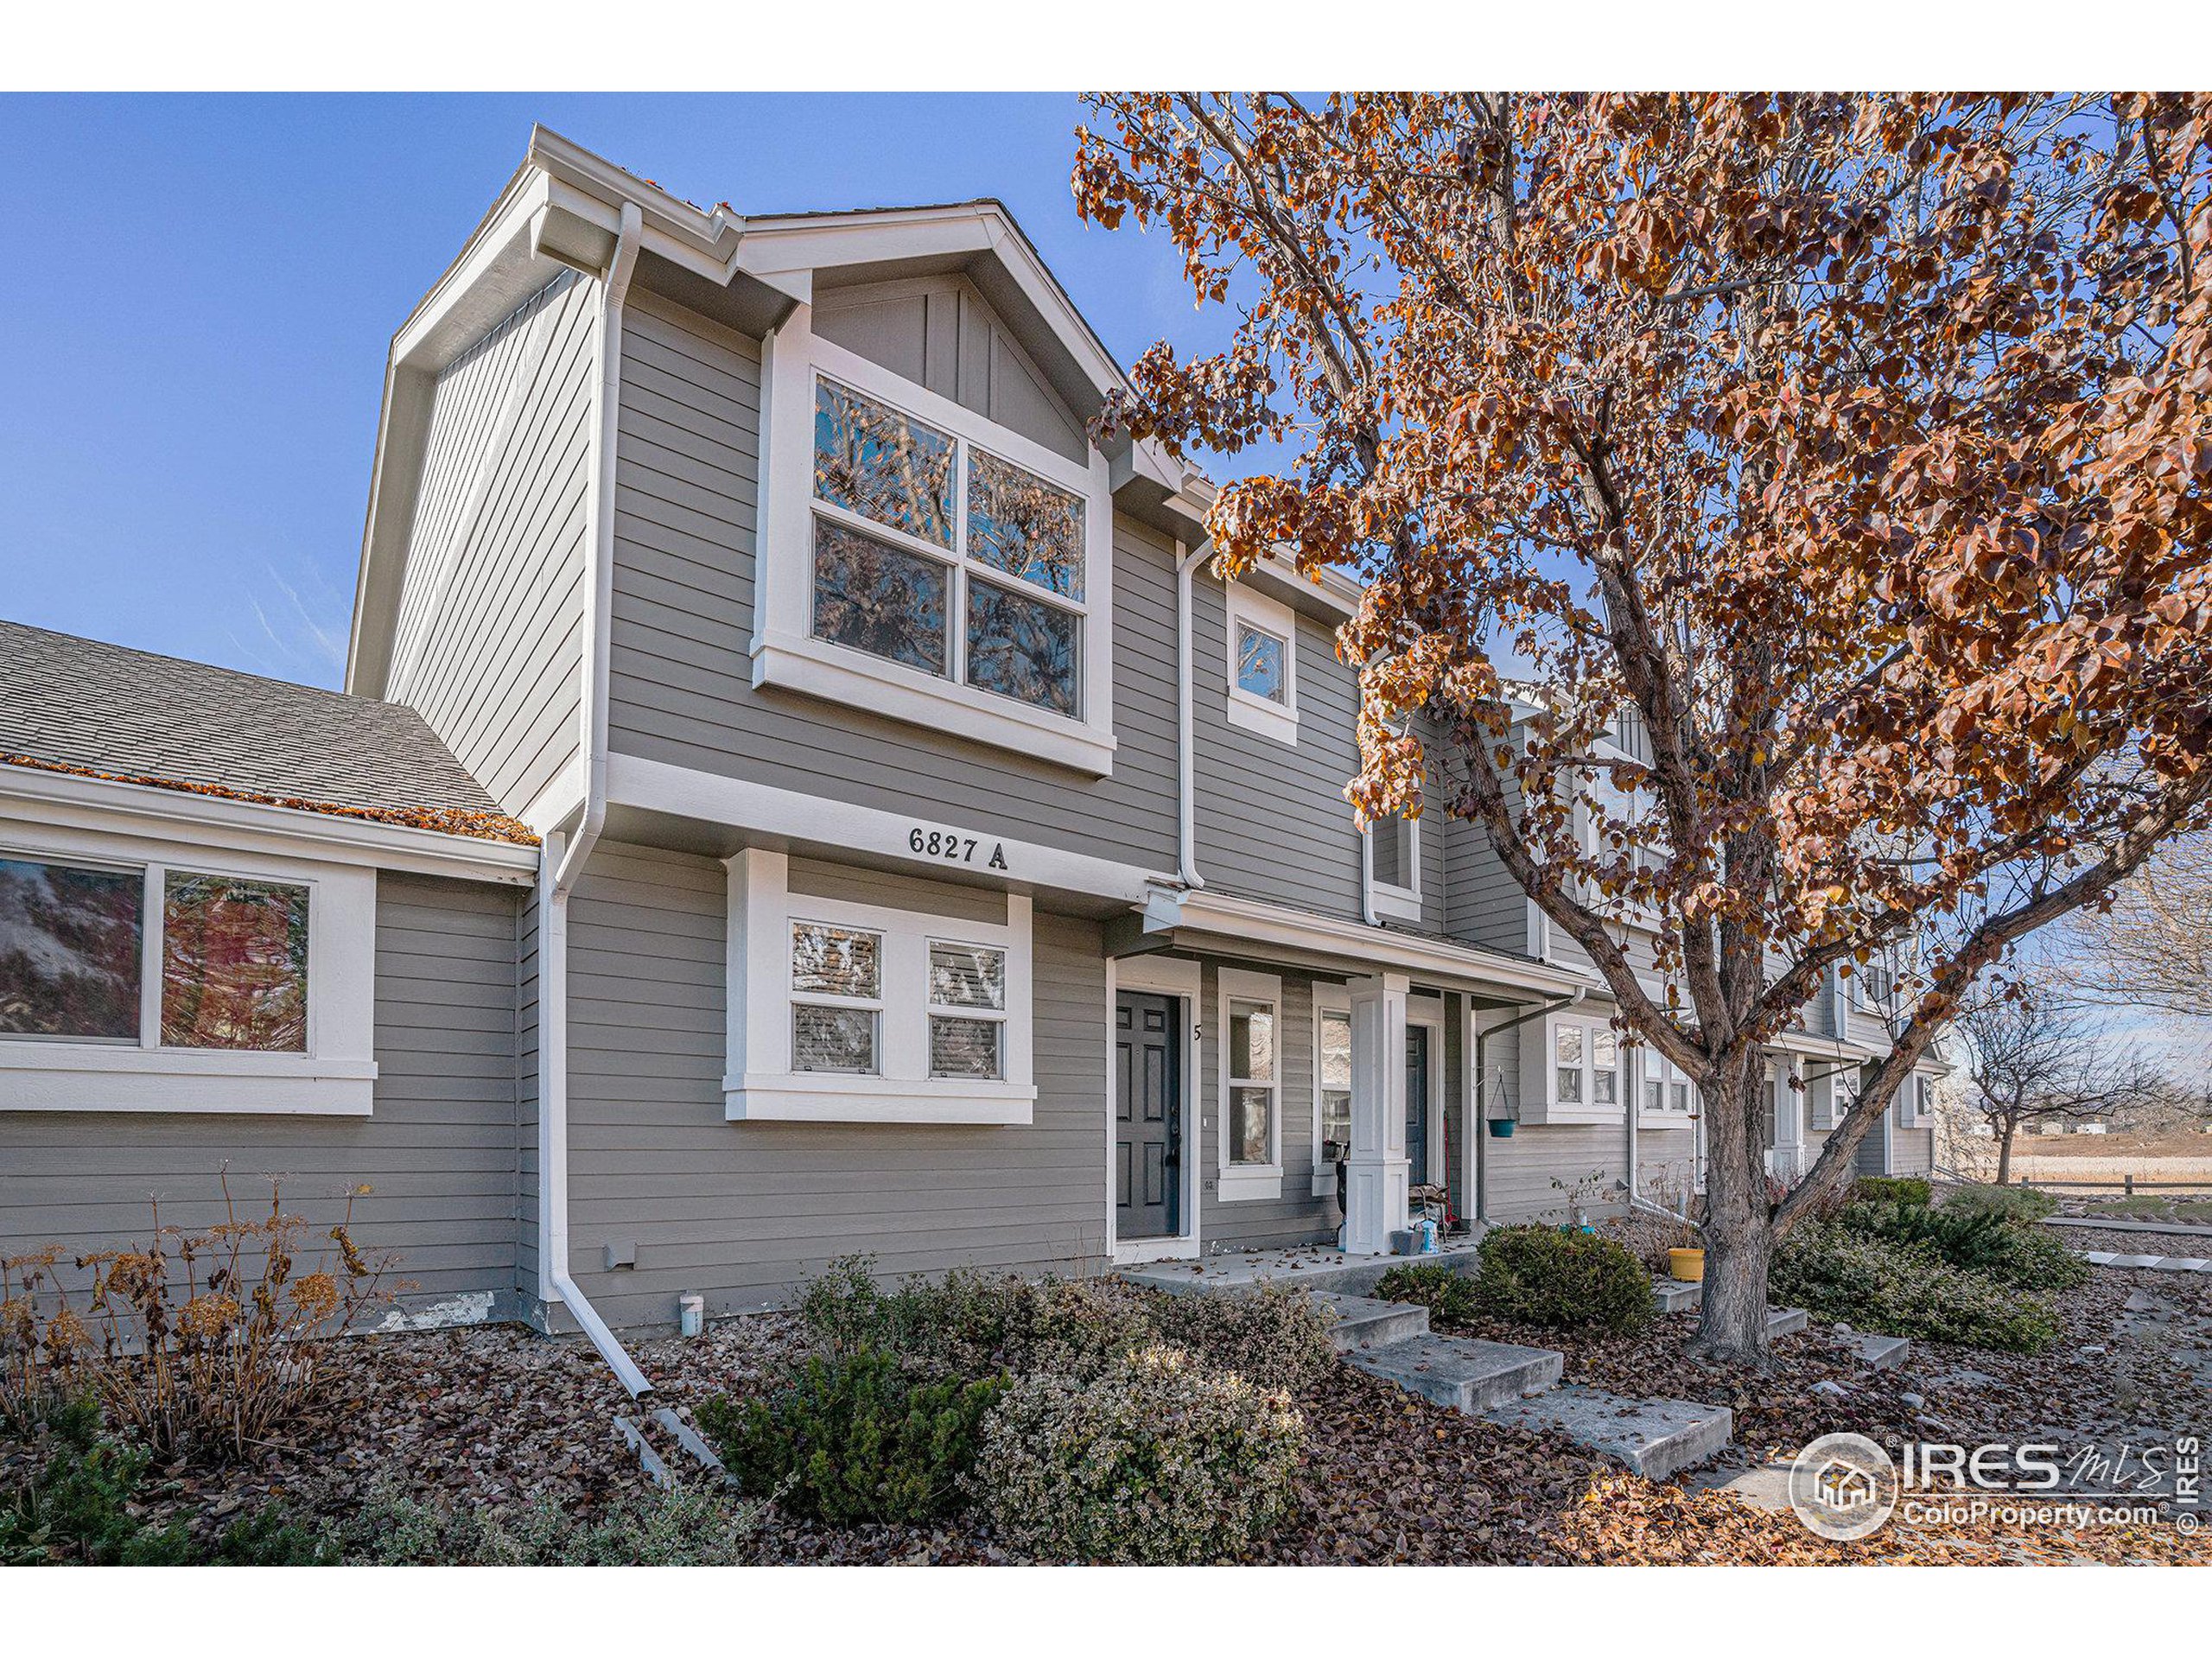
pixel 1654 1437
pixel 1364 1322
pixel 1461 1372
pixel 2155 1263
pixel 1876 1352
pixel 1677 1295
pixel 1786 1321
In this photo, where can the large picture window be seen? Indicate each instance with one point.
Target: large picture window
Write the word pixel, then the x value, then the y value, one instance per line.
pixel 233 968
pixel 895 562
pixel 131 982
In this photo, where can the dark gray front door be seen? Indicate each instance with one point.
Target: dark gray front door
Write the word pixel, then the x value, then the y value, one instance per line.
pixel 1147 1117
pixel 1417 1103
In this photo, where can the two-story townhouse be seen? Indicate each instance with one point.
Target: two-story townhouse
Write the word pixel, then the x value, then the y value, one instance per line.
pixel 797 791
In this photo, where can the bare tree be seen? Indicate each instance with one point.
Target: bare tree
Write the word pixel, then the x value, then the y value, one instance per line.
pixel 2153 947
pixel 2037 1059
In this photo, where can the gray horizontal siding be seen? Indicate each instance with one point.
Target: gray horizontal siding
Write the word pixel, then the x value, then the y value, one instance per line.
pixel 438 1153
pixel 744 1212
pixel 1297 1217
pixel 687 494
pixel 1518 1170
pixel 489 640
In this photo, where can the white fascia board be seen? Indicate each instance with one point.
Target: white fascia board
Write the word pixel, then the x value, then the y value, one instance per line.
pixel 67 800
pixel 1259 922
pixel 1810 1047
pixel 787 815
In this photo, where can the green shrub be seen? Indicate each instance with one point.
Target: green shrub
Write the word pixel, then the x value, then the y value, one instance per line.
pixel 1157 1460
pixel 691 1526
pixel 1274 1337
pixel 854 1438
pixel 1892 1189
pixel 973 1325
pixel 1839 1272
pixel 81 1504
pixel 1542 1275
pixel 1449 1296
pixel 2021 1203
pixel 2014 1252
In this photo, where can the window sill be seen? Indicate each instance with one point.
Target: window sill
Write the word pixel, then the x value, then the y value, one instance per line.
pixel 1136 1251
pixel 1324 1180
pixel 1264 716
pixel 1664 1120
pixel 97 1078
pixel 1540 1116
pixel 817 669
pixel 824 1097
pixel 1395 904
pixel 1247 1184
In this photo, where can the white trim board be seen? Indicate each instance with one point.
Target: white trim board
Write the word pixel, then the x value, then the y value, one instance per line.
pixel 1180 977
pixel 816 821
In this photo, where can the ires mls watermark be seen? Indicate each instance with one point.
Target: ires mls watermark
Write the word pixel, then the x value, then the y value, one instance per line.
pixel 1846 1486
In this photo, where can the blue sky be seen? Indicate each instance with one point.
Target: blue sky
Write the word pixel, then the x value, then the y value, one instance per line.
pixel 199 292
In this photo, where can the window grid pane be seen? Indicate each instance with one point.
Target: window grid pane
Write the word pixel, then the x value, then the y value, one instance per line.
pixel 836 961
pixel 873 461
pixel 1251 1042
pixel 70 943
pixel 1022 648
pixel 871 596
pixel 832 1039
pixel 234 964
pixel 965 1048
pixel 967 975
pixel 1018 524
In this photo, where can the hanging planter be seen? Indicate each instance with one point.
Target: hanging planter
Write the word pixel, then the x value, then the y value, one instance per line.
pixel 1500 1128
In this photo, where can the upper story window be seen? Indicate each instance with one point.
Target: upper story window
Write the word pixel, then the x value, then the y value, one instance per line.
pixel 922 563
pixel 1394 868
pixel 142 986
pixel 1262 656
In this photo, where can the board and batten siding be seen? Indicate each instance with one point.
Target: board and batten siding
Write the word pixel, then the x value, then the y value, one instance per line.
pixel 687 501
pixel 745 1213
pixel 438 1152
pixel 488 640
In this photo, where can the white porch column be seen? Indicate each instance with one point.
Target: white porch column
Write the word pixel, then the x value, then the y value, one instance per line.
pixel 1789 1103
pixel 1376 1170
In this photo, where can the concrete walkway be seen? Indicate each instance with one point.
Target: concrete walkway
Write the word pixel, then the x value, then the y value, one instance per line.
pixel 2154 1263
pixel 2183 1228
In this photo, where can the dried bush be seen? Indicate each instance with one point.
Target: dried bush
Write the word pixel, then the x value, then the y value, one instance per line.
pixel 194 1342
pixel 1157 1460
pixel 854 1438
pixel 1548 1276
pixel 1274 1337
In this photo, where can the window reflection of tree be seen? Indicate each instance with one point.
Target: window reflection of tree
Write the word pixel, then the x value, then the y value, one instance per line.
pixel 876 462
pixel 1021 649
pixel 1021 525
pixel 878 599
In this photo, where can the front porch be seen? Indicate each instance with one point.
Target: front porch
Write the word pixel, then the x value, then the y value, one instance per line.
pixel 1311 1267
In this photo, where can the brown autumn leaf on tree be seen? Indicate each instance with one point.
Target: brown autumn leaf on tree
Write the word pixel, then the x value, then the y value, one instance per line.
pixel 1857 445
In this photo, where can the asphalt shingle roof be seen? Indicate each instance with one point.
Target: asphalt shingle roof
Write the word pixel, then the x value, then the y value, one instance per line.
pixel 77 705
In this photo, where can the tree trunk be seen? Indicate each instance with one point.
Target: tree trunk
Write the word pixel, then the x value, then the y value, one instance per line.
pixel 2005 1153
pixel 1739 1233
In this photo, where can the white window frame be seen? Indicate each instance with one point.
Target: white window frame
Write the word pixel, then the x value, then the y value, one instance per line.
pixel 760 1085
pixel 1392 901
pixel 785 651
pixel 335 1077
pixel 1428 1012
pixel 1539 1101
pixel 1651 1067
pixel 1637 804
pixel 1248 710
pixel 1244 1183
pixel 1328 998
pixel 869 1005
pixel 1917 1102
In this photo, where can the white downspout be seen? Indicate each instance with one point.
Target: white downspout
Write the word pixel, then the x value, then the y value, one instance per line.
pixel 1185 784
pixel 563 857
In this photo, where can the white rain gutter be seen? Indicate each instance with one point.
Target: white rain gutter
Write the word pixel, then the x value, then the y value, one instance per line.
pixel 564 855
pixel 1186 857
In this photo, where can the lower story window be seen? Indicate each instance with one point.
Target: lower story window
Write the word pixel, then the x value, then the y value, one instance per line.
pixel 967 1010
pixel 1332 1100
pixel 836 998
pixel 1251 1082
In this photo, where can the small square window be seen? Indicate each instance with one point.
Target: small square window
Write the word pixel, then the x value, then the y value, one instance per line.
pixel 967 975
pixel 832 1039
pixel 836 961
pixel 1260 664
pixel 965 1048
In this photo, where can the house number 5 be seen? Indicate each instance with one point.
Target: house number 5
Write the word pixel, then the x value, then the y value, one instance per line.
pixel 954 849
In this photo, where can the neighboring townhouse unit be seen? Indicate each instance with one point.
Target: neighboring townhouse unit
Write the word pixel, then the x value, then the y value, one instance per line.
pixel 796 792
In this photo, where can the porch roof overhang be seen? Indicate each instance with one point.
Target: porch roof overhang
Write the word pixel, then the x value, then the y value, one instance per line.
pixel 1223 925
pixel 1808 1045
